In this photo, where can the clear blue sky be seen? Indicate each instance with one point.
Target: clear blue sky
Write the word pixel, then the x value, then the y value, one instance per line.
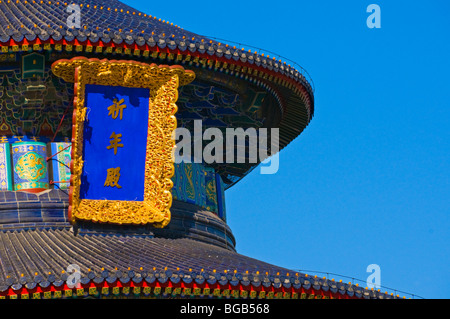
pixel 368 180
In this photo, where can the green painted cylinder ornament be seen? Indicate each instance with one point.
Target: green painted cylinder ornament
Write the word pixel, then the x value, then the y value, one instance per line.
pixel 30 166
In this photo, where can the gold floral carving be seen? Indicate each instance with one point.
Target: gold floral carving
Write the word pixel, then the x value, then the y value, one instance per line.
pixel 163 82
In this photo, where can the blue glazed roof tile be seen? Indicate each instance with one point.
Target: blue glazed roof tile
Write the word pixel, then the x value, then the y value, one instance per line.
pixel 112 20
pixel 44 254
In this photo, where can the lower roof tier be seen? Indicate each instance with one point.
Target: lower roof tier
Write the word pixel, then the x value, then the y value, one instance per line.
pixel 194 256
pixel 20 210
pixel 39 264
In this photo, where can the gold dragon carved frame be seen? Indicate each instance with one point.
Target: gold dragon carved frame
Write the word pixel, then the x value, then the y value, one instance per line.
pixel 163 82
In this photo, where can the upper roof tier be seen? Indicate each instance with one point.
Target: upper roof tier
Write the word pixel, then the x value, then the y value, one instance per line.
pixel 115 30
pixel 112 21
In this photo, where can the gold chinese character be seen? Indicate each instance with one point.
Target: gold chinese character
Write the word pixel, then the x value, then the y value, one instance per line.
pixel 116 108
pixel 115 142
pixel 3 139
pixel 112 179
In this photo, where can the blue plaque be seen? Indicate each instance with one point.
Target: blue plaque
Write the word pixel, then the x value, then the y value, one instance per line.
pixel 114 143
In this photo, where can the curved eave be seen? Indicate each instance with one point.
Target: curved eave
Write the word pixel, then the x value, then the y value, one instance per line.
pixel 212 56
pixel 293 92
pixel 145 266
pixel 114 27
pixel 119 30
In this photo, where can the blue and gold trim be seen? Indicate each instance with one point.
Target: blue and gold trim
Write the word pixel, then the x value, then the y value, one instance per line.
pixel 211 190
pixel 197 184
pixel 59 164
pixel 30 166
pixel 220 188
pixel 5 167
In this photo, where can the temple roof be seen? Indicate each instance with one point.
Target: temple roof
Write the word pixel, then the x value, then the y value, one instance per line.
pixel 113 22
pixel 36 256
pixel 40 258
pixel 111 28
pixel 106 20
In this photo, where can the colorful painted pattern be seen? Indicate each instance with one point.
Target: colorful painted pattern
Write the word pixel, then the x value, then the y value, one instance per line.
pixel 41 112
pixel 193 182
pixel 34 109
pixel 196 184
pixel 188 180
pixel 210 190
pixel 30 166
pixel 60 164
pixel 220 186
pixel 21 138
pixel 5 167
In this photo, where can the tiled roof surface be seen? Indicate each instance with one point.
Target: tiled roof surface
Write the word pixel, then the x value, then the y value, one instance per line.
pixel 20 210
pixel 39 258
pixel 106 20
pixel 111 28
pixel 114 22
